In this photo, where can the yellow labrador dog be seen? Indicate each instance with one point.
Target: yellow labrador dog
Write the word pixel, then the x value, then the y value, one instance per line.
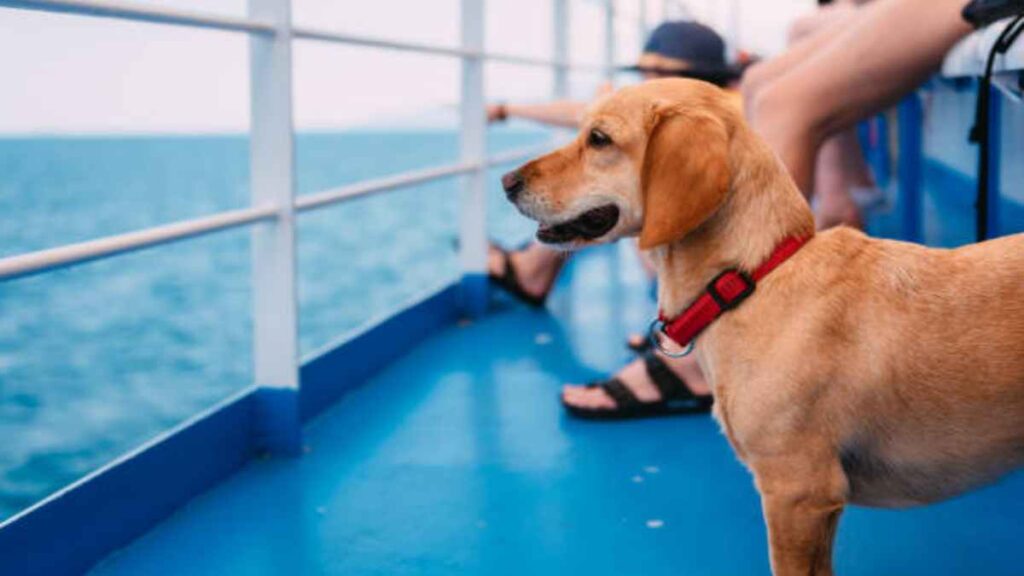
pixel 858 370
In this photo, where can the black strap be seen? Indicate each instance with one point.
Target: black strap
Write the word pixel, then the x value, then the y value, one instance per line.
pixel 980 131
pixel 672 387
pixel 981 13
pixel 621 394
pixel 509 280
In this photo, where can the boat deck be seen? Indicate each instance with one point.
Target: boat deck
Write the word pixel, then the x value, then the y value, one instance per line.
pixel 457 459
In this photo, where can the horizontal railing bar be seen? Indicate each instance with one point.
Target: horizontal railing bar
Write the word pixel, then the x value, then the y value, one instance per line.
pixel 522 153
pixel 407 179
pixel 523 60
pixel 307 33
pixel 131 11
pixel 531 61
pixel 50 258
pixel 377 185
pixel 161 15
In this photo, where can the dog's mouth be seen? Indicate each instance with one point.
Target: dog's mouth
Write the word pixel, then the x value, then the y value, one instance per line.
pixel 592 224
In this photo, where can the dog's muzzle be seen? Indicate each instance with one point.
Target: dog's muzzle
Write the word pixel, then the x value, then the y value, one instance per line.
pixel 592 224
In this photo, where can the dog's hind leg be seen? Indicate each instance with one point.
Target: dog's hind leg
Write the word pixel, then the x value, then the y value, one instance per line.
pixel 802 501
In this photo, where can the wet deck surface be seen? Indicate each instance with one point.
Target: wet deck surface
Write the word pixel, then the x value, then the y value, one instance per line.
pixel 458 460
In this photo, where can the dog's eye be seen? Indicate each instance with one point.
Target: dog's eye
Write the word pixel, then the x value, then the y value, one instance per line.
pixel 598 139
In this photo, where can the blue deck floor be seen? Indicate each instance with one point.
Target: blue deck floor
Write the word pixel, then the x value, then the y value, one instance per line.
pixel 458 460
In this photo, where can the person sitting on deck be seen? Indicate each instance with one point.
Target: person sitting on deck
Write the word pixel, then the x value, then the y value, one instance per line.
pixel 646 384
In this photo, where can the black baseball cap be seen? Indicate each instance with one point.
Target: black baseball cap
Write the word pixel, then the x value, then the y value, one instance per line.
pixel 689 49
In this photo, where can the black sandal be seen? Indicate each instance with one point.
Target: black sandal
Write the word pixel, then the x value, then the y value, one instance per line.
pixel 676 396
pixel 510 282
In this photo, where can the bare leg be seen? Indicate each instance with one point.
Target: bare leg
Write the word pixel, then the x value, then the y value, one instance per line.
pixel 887 50
pixel 819 19
pixel 537 266
pixel 840 167
pixel 808 36
pixel 840 163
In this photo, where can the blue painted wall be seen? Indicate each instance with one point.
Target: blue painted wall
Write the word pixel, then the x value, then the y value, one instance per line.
pixel 936 167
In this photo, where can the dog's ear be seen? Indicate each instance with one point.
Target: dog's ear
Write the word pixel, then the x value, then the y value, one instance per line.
pixel 685 176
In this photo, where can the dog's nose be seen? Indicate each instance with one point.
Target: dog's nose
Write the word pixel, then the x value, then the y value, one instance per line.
pixel 513 184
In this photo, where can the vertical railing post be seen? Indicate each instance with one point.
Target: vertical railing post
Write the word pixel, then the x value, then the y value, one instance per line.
pixel 734 30
pixel 641 21
pixel 473 139
pixel 560 45
pixel 609 41
pixel 272 182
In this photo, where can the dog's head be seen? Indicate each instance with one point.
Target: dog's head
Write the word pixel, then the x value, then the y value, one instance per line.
pixel 652 160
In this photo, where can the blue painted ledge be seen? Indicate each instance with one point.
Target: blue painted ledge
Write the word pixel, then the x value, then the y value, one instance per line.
pixel 350 360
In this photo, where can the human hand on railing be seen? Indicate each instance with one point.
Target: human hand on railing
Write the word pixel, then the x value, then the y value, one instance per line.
pixel 497 112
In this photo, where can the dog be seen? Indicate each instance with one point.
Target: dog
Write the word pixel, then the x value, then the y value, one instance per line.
pixel 859 370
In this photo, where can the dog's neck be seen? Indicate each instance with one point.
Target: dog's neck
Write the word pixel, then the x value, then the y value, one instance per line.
pixel 763 207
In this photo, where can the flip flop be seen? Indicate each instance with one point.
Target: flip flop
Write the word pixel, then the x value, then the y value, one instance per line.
pixel 676 397
pixel 509 281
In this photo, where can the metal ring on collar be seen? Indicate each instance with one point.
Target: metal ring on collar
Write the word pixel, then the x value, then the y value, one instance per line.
pixel 652 333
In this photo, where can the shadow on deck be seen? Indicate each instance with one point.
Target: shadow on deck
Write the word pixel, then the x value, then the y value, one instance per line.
pixel 457 459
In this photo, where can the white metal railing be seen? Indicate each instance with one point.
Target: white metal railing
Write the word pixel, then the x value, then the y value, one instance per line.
pixel 51 258
pixel 264 30
pixel 41 261
pixel 275 302
pixel 411 178
pixel 306 33
pixel 274 202
pixel 196 19
pixel 133 11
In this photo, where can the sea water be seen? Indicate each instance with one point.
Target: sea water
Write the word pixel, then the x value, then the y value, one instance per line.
pixel 97 358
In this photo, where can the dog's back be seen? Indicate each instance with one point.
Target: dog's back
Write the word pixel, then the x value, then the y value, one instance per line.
pixel 936 362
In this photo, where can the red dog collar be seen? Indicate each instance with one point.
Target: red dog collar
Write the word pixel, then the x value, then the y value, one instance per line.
pixel 725 292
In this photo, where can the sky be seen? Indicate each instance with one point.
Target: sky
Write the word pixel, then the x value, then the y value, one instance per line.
pixel 67 74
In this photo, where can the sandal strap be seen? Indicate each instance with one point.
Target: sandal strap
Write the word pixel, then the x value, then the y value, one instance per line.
pixel 620 393
pixel 509 280
pixel 671 386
